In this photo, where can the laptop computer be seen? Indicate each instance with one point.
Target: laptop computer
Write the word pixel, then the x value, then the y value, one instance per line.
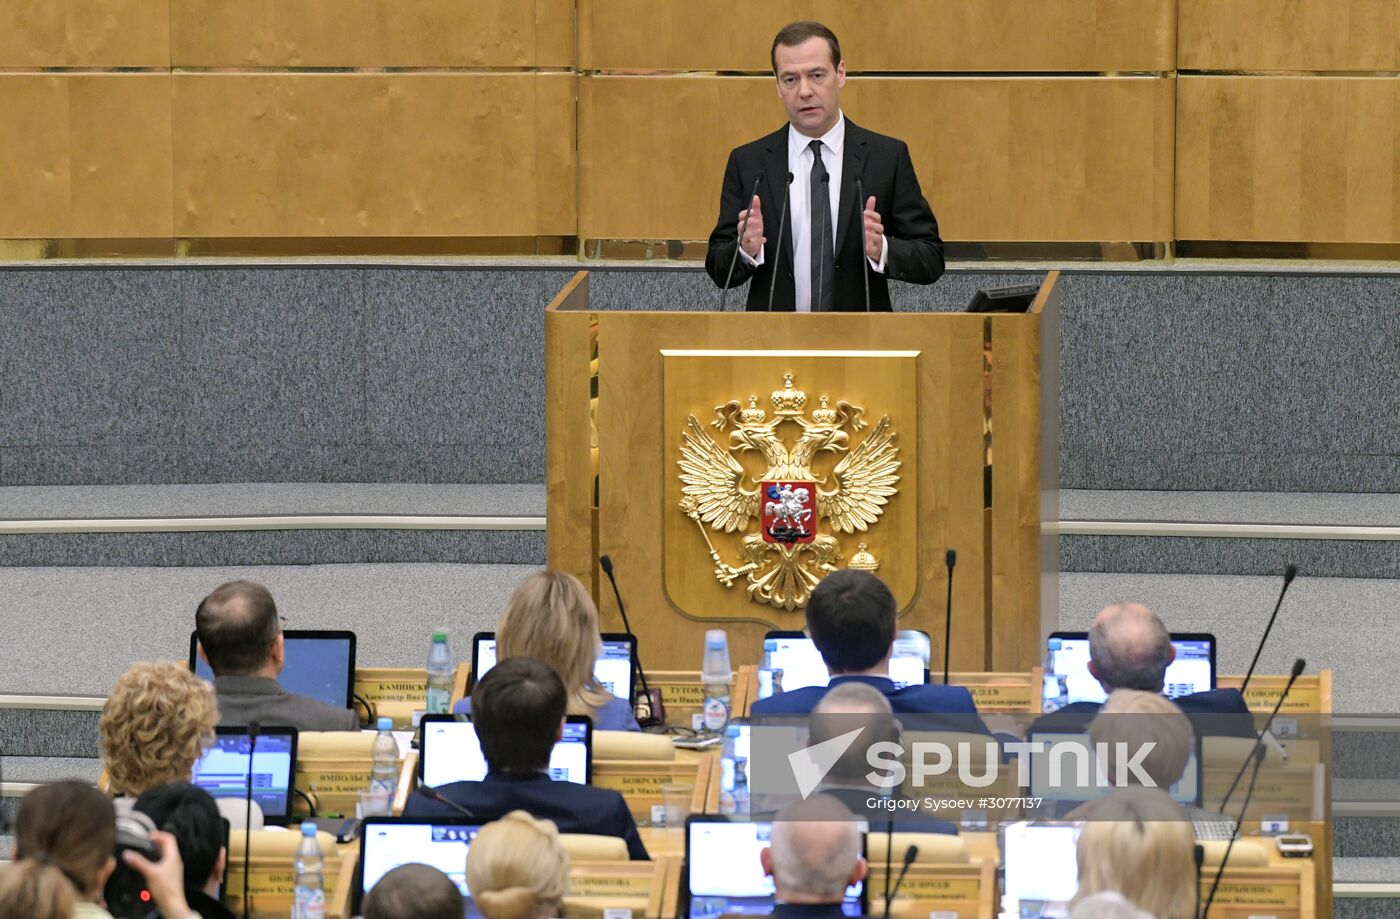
pixel 1067 677
pixel 614 667
pixel 802 665
pixel 319 664
pixel 723 874
pixel 223 769
pixel 387 843
pixel 1040 871
pixel 450 752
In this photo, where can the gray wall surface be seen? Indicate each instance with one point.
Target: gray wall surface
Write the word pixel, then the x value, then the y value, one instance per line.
pixel 202 373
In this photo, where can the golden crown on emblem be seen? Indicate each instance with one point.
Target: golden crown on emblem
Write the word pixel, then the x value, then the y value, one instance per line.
pixel 825 415
pixel 789 400
pixel 863 560
pixel 753 414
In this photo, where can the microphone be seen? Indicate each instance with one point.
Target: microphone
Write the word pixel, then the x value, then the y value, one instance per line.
pixel 778 254
pixel 1289 573
pixel 864 247
pixel 253 729
pixel 748 212
pixel 1258 747
pixel 432 794
pixel 1198 856
pixel 821 244
pixel 1258 757
pixel 889 852
pixel 647 704
pixel 910 854
pixel 952 560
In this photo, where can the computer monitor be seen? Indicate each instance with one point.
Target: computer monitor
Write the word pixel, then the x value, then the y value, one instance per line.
pixel 1067 677
pixel 802 665
pixel 614 666
pixel 1067 788
pixel 319 664
pixel 1040 868
pixel 450 752
pixel 724 876
pixel 223 769
pixel 387 843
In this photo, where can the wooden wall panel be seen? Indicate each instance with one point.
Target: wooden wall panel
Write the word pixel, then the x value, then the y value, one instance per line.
pixel 1307 159
pixel 903 35
pixel 1000 159
pixel 85 155
pixel 372 33
pixel 374 154
pixel 85 33
pixel 1297 35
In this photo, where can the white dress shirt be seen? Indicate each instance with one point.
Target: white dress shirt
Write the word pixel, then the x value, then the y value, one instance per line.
pixel 800 162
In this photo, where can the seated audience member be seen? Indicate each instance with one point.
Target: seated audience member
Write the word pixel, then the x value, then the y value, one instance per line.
pixel 1136 718
pixel 551 618
pixel 190 815
pixel 518 710
pixel 240 636
pixel 1137 842
pixel 518 869
pixel 155 725
pixel 813 855
pixel 851 617
pixel 1106 905
pixel 414 892
pixel 65 834
pixel 856 706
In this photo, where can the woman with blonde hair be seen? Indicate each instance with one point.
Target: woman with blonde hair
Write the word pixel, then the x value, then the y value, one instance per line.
pixel 551 617
pixel 155 726
pixel 517 868
pixel 1139 843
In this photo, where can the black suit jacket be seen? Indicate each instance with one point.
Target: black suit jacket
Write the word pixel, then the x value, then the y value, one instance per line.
pixel 573 808
pixel 1213 712
pixel 886 172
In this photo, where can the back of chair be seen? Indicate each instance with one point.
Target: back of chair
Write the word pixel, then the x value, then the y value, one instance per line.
pixel 632 745
pixel 584 847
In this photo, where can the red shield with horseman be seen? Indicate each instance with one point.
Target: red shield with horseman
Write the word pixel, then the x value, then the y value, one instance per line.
pixel 789 512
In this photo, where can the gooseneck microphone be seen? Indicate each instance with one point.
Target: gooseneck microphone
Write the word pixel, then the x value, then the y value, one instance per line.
pixel 432 794
pixel 864 247
pixel 253 729
pixel 1258 756
pixel 778 254
pixel 1298 667
pixel 952 560
pixel 1289 573
pixel 910 854
pixel 743 228
pixel 655 710
pixel 821 243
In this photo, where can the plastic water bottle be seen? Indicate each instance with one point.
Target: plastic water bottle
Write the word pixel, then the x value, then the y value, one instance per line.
pixel 770 678
pixel 309 895
pixel 384 773
pixel 440 666
pixel 715 674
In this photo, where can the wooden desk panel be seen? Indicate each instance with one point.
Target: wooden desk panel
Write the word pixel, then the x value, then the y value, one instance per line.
pixel 1299 35
pixel 85 33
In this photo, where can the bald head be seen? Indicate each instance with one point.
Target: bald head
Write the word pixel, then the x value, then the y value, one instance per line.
pixel 851 707
pixel 239 629
pixel 1129 648
pixel 814 853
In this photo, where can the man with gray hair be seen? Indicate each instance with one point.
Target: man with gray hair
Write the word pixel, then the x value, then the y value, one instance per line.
pixel 813 856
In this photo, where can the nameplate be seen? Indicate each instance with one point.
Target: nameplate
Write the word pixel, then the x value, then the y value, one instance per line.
pixel 1003 698
pixel 933 888
pixel 270 889
pixel 335 781
pixel 634 784
pixel 396 691
pixel 1281 897
pixel 635 885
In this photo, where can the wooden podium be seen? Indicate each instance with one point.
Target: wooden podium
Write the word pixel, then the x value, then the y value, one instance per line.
pixel 667 434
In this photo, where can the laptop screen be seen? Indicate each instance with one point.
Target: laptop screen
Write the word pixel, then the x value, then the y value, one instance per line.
pixel 452 753
pixel 1070 784
pixel 725 875
pixel 802 665
pixel 318 664
pixel 223 769
pixel 613 667
pixel 1041 871
pixel 386 844
pixel 1067 677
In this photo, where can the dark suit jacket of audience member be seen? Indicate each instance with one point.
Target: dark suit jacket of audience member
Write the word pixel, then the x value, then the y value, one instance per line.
pixel 206 907
pixel 245 699
pixel 911 700
pixel 1217 712
pixel 573 808
pixel 808 911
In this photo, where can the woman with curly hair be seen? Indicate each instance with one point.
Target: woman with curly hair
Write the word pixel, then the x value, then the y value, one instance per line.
pixel 155 726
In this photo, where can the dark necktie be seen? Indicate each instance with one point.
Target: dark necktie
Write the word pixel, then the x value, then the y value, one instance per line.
pixel 821 232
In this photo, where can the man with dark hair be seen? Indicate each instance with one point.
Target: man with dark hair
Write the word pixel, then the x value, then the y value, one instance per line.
pixel 414 892
pixel 240 637
pixel 518 709
pixel 188 813
pixel 852 619
pixel 831 244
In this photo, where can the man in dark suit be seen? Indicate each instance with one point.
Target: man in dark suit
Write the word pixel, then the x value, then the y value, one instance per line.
pixel 813 856
pixel 822 258
pixel 852 619
pixel 518 709
pixel 240 637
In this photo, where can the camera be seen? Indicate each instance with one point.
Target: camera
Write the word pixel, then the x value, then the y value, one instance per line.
pixel 126 893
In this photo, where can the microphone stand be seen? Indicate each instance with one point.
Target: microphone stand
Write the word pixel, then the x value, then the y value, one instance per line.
pixel 778 253
pixel 952 559
pixel 656 709
pixel 743 228
pixel 864 266
pixel 1258 757
pixel 1289 573
pixel 253 728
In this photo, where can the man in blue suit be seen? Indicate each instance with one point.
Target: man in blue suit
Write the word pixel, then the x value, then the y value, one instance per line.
pixel 518 709
pixel 851 617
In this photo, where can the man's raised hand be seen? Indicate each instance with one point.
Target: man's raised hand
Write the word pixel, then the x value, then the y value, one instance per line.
pixel 874 231
pixel 751 238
